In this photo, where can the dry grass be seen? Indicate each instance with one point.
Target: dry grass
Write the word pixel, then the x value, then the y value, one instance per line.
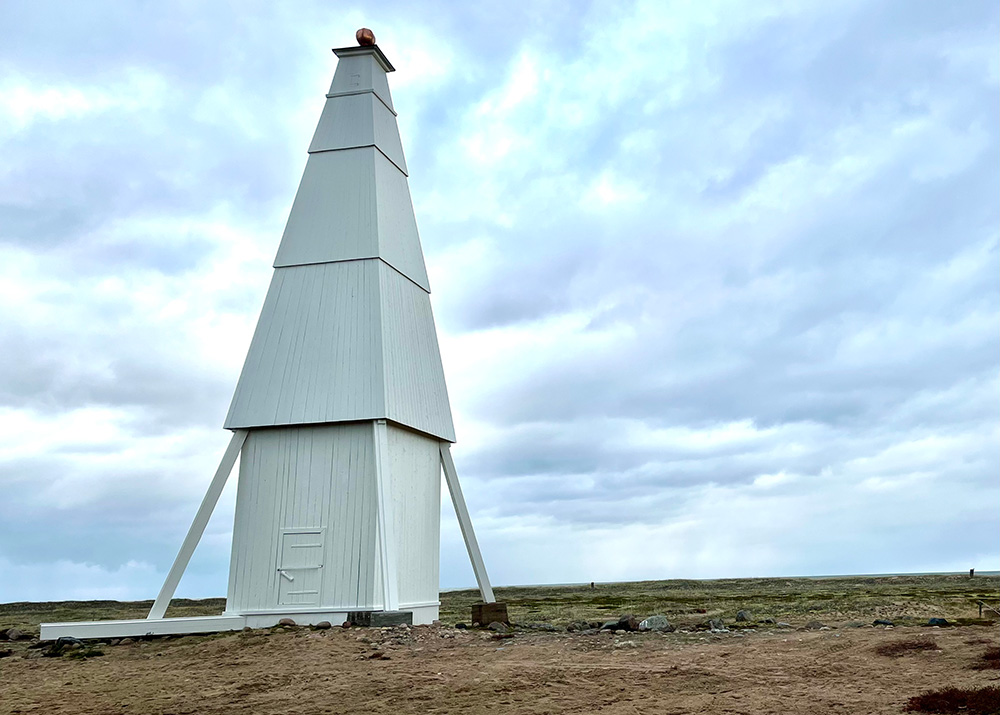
pixel 907 600
pixel 990 660
pixel 972 701
pixel 901 648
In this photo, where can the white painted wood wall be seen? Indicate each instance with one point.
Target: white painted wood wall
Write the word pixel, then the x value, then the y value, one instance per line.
pixel 319 481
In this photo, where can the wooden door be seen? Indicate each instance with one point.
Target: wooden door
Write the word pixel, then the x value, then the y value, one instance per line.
pixel 300 567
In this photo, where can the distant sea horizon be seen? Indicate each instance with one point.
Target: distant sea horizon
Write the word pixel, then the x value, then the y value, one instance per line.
pixel 451 589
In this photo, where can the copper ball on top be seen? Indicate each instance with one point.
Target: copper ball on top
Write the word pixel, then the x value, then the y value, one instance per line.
pixel 365 37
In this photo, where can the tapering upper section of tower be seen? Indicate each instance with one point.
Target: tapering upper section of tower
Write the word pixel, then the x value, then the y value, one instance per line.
pixel 354 201
pixel 346 332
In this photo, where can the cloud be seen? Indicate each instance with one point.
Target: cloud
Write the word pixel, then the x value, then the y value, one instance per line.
pixel 715 287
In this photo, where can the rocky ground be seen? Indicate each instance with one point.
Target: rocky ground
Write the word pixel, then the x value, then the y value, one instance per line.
pixel 744 667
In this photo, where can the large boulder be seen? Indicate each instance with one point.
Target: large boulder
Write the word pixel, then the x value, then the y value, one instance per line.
pixel 657 624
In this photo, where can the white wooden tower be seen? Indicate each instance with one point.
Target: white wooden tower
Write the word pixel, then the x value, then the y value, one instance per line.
pixel 340 417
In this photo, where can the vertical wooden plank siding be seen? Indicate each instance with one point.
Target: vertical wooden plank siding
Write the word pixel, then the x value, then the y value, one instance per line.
pixel 399 240
pixel 415 484
pixel 358 120
pixel 301 478
pixel 318 358
pixel 333 216
pixel 415 390
pixel 360 74
pixel 353 204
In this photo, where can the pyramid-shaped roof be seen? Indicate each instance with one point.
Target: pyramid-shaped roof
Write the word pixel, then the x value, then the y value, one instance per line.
pixel 346 332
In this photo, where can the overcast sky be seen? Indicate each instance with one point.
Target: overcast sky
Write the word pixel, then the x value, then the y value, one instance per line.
pixel 716 284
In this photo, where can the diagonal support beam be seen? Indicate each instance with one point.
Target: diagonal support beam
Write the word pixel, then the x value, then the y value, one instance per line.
pixel 465 523
pixel 198 525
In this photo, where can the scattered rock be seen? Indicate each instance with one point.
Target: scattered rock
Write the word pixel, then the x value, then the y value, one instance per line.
pixel 498 627
pixel 286 622
pixel 577 626
pixel 769 621
pixel 126 641
pixel 782 624
pixel 547 627
pixel 881 622
pixel 247 629
pixel 814 625
pixel 657 623
pixel 63 644
pixel 628 623
pixel 743 616
pixel 461 626
pixel 625 623
pixel 590 631
pixel 324 625
pixel 717 625
pixel 345 624
pixel 14 634
pixel 937 622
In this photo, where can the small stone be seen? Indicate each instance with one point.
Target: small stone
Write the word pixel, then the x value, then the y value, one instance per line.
pixel 286 622
pixel 324 625
pixel 461 626
pixel 717 625
pixel 769 621
pixel 14 634
pixel 743 616
pixel 345 624
pixel 782 624
pixel 609 626
pixel 247 629
pixel 937 622
pixel 882 622
pixel 657 623
pixel 498 627
pixel 814 625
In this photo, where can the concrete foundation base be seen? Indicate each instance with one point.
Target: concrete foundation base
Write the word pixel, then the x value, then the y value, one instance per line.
pixel 416 615
pixel 378 619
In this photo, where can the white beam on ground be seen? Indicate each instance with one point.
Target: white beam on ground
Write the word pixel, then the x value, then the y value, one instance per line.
pixel 198 525
pixel 465 523
pixel 386 530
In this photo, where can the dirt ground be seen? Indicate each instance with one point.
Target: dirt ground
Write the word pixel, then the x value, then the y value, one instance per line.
pixel 435 669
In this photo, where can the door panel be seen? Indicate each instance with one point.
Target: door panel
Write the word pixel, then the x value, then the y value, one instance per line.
pixel 300 564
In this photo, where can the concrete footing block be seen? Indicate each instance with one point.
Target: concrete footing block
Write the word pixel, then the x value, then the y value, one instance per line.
pixel 484 614
pixel 378 619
